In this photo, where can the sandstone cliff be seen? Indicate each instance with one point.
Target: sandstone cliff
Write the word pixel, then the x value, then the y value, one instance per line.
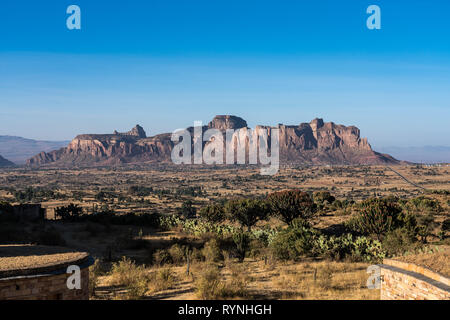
pixel 307 143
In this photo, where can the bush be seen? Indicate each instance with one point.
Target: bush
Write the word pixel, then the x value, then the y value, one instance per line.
pixel 212 251
pixel 162 279
pixel 335 248
pixel 187 210
pixel 246 211
pixel 295 241
pixel 213 213
pixel 376 217
pixel 300 240
pixel 424 205
pixel 425 225
pixel 291 204
pixel 399 241
pixel 242 242
pixel 177 253
pixel 134 278
pixel 94 272
pixel 161 257
pixel 208 284
pixel 72 211
pixel 237 285
pixel 323 199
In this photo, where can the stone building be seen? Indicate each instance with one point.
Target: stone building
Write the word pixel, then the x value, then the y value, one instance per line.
pixel 29 212
pixel 29 272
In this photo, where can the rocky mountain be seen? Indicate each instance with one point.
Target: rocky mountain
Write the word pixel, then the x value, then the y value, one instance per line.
pixel 307 143
pixel 18 149
pixel 5 163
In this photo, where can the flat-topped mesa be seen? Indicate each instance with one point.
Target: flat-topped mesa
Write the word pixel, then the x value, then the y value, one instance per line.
pixel 223 122
pixel 137 131
pixel 316 142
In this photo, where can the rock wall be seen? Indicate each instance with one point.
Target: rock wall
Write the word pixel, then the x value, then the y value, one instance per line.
pixel 45 287
pixel 406 281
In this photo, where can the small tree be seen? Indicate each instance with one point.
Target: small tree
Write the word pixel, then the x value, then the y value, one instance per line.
pixel 247 212
pixel 321 196
pixel 291 204
pixel 242 241
pixel 187 210
pixel 72 211
pixel 213 213
pixel 425 226
pixel 377 217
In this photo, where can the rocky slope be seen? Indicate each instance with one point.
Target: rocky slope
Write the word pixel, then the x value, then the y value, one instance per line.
pixel 18 149
pixel 5 163
pixel 307 143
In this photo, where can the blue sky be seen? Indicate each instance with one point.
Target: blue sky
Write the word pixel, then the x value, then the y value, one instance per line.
pixel 165 63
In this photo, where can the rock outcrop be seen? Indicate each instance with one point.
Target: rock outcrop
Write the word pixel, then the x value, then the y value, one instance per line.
pixel 307 143
pixel 227 122
pixel 137 131
pixel 5 163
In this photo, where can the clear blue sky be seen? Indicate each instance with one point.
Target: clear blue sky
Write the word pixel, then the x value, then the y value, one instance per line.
pixel 165 63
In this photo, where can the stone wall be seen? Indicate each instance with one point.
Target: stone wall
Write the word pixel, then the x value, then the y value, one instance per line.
pixel 29 212
pixel 44 287
pixel 406 281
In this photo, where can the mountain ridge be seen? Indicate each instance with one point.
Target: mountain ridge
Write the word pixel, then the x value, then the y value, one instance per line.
pixel 19 150
pixel 315 142
pixel 5 162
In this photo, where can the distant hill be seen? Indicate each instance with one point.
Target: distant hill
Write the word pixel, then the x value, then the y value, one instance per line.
pixel 18 149
pixel 5 163
pixel 425 154
pixel 317 142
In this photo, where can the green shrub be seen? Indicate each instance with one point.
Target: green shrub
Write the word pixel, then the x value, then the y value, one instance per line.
pixel 293 242
pixel 161 257
pixel 376 217
pixel 425 226
pixel 291 204
pixel 242 242
pixel 213 213
pixel 247 212
pixel 71 211
pixel 424 205
pixel 187 210
pixel 399 241
pixel 177 253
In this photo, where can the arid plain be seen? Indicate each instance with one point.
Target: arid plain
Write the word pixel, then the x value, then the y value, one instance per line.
pixel 146 260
